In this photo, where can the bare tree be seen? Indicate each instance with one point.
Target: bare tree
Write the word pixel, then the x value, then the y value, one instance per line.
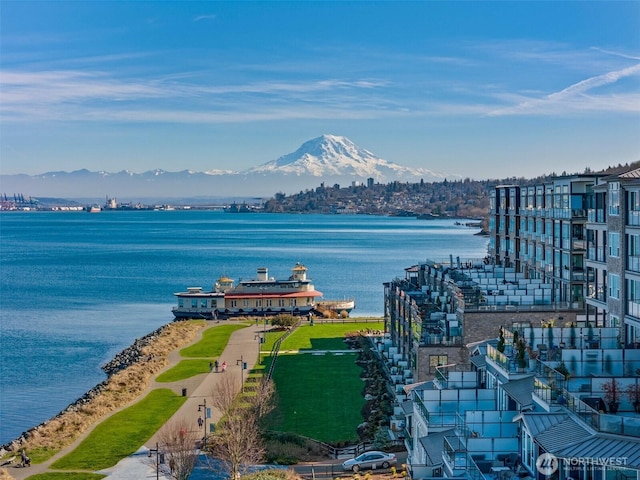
pixel 225 392
pixel 264 400
pixel 238 442
pixel 178 443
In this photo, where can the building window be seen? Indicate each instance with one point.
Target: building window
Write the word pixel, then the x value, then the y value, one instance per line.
pixel 203 303
pixel 633 297
pixel 633 208
pixel 435 361
pixel 194 303
pixel 614 244
pixel 614 285
pixel 614 198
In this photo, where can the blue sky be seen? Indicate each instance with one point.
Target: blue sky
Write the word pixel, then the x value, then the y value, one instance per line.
pixel 478 89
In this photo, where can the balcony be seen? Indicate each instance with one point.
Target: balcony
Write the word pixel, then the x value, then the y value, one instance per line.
pixel 633 308
pixel 600 295
pixel 596 254
pixel 633 264
pixel 596 215
pixel 578 274
pixel 508 362
pixel 578 213
pixel 633 218
pixel 579 244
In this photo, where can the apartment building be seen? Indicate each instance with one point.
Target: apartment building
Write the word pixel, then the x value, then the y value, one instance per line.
pixel 526 364
pixel 541 231
pixel 613 259
pixel 551 416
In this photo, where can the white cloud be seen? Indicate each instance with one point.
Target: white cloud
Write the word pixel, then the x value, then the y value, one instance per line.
pixel 575 98
pixel 204 17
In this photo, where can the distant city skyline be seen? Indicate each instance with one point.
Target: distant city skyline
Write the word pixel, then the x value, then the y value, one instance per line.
pixel 476 89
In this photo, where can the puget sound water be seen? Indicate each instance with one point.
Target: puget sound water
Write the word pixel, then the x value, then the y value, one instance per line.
pixel 76 288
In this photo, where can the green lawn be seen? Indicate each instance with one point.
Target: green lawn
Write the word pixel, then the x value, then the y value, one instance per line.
pixel 325 336
pixel 185 369
pixel 319 396
pixel 123 433
pixel 67 476
pixel 212 343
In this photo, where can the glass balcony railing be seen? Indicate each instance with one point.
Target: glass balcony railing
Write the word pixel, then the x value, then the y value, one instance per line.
pixel 633 218
pixel 633 264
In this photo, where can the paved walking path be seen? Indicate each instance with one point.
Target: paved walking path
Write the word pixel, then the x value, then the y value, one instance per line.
pixel 242 346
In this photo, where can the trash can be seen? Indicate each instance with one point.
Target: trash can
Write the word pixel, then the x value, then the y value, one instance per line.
pixel 184 392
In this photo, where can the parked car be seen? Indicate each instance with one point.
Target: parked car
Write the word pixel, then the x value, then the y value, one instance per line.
pixel 373 459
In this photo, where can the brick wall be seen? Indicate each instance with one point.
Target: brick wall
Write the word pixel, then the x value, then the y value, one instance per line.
pixel 480 326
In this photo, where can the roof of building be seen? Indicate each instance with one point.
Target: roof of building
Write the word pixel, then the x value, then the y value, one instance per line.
pixel 433 445
pixel 635 173
pixel 407 407
pixel 554 431
pixel 520 390
pixel 603 446
pixel 478 360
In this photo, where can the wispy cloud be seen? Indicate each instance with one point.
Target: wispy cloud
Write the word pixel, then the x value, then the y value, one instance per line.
pixel 199 18
pixel 73 95
pixel 575 98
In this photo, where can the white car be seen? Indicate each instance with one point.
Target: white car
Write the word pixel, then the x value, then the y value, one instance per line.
pixel 373 459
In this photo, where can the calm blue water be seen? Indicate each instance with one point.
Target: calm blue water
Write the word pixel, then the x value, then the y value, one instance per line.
pixel 77 288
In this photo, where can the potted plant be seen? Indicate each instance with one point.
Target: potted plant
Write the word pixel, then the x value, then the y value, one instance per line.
pixel 612 392
pixel 533 356
pixel 572 335
pixel 562 369
pixel 520 357
pixel 633 394
pixel 501 341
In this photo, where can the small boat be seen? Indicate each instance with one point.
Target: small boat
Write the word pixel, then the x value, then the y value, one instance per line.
pixel 95 209
pixel 337 305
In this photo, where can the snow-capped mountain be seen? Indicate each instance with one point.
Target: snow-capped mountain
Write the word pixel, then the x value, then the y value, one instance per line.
pixel 336 156
pixel 330 159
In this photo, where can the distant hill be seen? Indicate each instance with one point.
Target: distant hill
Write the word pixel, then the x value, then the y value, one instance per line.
pixel 330 159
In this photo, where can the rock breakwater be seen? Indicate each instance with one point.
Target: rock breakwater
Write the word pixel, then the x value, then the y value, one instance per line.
pixel 129 373
pixel 133 353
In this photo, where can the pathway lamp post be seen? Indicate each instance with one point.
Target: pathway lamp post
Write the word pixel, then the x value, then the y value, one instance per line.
pixel 243 367
pixel 157 452
pixel 205 414
pixel 260 338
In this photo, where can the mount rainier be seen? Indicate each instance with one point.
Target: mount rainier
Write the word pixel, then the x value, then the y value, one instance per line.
pixel 328 159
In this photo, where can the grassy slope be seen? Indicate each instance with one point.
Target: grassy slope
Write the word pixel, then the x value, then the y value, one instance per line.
pixel 319 396
pixel 122 434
